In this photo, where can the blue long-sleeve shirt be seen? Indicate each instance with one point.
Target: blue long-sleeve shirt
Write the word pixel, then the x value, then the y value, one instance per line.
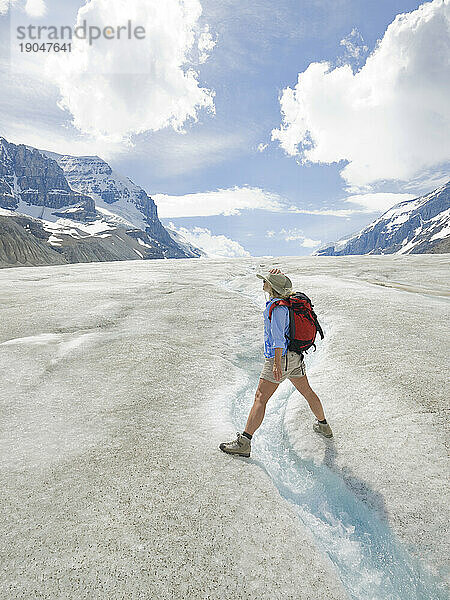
pixel 276 330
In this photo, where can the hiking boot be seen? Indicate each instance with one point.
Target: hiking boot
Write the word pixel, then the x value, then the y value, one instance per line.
pixel 240 446
pixel 323 428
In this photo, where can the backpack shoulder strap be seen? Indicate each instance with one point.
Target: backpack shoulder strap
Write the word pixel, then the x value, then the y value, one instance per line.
pixel 278 303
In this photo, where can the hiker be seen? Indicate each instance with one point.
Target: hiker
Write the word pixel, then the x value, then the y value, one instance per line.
pixel 280 363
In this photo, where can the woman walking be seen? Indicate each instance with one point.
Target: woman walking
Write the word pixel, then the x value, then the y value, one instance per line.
pixel 280 364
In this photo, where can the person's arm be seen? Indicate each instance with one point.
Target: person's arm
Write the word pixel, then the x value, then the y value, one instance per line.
pixel 277 364
pixel 279 315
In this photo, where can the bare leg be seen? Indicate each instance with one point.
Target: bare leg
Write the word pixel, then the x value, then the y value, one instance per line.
pixel 263 393
pixel 302 384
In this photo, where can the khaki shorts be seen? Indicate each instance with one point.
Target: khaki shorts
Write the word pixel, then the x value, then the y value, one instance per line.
pixel 296 367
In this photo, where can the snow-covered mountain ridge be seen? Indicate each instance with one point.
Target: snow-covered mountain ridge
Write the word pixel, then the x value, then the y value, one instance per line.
pixel 78 210
pixel 112 193
pixel 417 226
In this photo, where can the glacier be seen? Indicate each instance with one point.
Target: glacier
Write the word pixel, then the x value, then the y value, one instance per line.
pixel 120 379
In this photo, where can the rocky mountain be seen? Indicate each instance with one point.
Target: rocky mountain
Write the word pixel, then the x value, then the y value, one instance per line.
pixel 24 241
pixel 64 209
pixel 112 193
pixel 29 177
pixel 417 226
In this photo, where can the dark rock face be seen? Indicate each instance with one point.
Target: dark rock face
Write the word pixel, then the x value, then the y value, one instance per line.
pixel 413 227
pixel 7 197
pixel 83 212
pixel 441 247
pixel 27 175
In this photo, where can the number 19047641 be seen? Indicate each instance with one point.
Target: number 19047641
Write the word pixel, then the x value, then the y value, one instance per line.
pixel 45 47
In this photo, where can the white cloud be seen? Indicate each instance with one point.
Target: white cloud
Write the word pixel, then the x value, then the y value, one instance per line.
pixel 35 8
pixel 366 203
pixel 29 115
pixel 205 45
pixel 309 243
pixel 116 88
pixel 213 245
pixel 262 147
pixel 330 212
pixel 427 181
pixel 378 201
pixel 4 6
pixel 354 44
pixel 230 201
pixel 46 136
pixel 294 235
pixel 391 119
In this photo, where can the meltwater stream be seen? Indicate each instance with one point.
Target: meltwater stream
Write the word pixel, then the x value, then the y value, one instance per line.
pixel 370 560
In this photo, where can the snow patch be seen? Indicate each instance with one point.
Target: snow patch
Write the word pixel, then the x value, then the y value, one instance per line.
pixel 443 233
pixel 142 243
pixel 54 241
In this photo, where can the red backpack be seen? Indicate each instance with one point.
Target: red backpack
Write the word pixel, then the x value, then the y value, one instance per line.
pixel 303 323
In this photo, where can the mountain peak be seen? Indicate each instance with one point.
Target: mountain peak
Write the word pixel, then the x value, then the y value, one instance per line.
pixel 415 226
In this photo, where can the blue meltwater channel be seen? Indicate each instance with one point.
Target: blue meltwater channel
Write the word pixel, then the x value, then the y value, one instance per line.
pixel 369 559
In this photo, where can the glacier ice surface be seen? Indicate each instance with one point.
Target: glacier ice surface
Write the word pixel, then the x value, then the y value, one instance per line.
pixel 119 380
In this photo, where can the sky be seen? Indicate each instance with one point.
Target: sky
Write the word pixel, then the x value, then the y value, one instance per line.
pixel 258 128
